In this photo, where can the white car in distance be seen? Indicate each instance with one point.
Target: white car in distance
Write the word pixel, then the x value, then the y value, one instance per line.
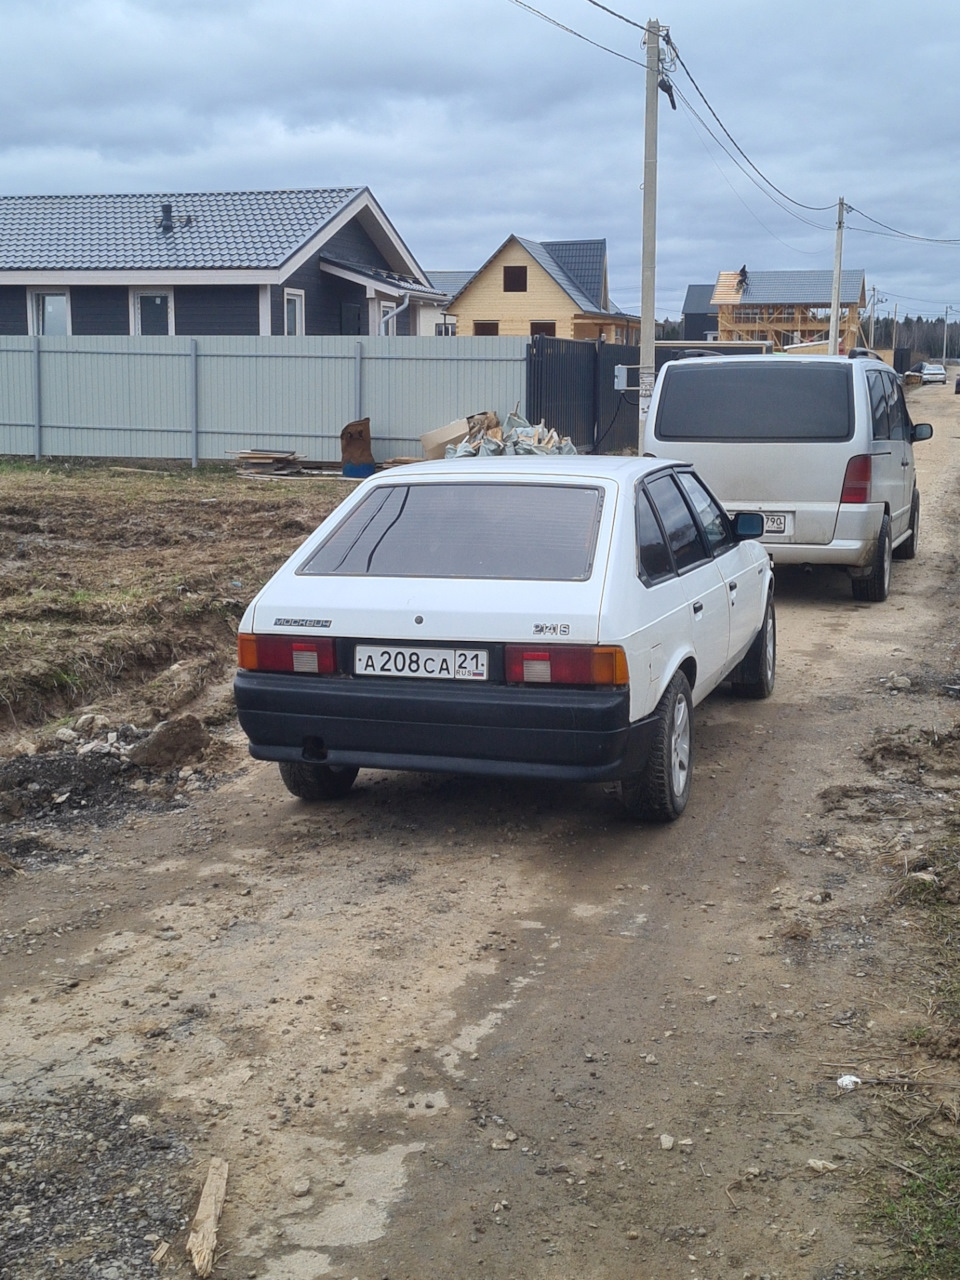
pixel 538 617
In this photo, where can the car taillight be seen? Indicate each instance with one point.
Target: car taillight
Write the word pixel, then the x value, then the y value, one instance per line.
pixel 565 664
pixel 856 481
pixel 304 655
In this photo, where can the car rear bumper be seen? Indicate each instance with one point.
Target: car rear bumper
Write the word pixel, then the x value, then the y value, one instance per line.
pixel 853 545
pixel 580 735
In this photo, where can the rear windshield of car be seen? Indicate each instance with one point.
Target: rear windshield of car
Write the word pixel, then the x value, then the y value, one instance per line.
pixel 531 532
pixel 756 402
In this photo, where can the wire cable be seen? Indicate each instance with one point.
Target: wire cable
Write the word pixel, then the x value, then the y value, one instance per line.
pixel 884 230
pixel 570 31
pixel 641 26
pixel 893 231
pixel 812 253
pixel 819 226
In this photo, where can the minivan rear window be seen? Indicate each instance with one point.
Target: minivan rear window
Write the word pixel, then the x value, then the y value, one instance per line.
pixel 782 400
pixel 530 532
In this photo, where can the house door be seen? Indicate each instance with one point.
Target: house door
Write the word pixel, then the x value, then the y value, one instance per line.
pixel 153 314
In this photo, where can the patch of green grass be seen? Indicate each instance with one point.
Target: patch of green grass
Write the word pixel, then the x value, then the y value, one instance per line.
pixel 921 1215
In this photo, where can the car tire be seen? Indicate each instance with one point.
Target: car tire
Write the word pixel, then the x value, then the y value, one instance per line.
pixel 314 782
pixel 907 549
pixel 755 675
pixel 660 790
pixel 875 587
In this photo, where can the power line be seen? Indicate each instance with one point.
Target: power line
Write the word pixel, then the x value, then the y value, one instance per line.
pixel 570 31
pixel 814 208
pixel 641 26
pixel 813 253
pixel 892 232
pixel 885 230
pixel 793 214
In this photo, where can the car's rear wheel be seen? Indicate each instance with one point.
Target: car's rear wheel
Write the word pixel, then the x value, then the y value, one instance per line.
pixel 754 677
pixel 660 790
pixel 317 781
pixel 907 549
pixel 876 585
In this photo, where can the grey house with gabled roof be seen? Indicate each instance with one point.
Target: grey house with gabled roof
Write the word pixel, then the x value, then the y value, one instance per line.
pixel 699 313
pixel 318 261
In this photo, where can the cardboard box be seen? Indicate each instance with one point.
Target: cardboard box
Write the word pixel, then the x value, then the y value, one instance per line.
pixel 435 442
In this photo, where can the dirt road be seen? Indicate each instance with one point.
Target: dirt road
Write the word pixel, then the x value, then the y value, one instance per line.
pixel 450 1027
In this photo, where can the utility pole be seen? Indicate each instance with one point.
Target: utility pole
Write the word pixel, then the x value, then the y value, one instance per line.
pixel 833 347
pixel 873 305
pixel 946 312
pixel 893 340
pixel 648 260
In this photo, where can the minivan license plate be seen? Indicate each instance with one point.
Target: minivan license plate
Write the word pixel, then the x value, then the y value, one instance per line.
pixel 424 664
pixel 774 522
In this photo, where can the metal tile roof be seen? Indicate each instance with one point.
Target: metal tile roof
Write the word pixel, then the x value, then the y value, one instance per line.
pixel 801 288
pixel 697 302
pixel 211 230
pixel 449 282
pixel 380 276
pixel 541 254
pixel 584 261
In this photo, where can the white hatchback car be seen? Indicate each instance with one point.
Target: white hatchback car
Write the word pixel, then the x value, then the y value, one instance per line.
pixel 540 617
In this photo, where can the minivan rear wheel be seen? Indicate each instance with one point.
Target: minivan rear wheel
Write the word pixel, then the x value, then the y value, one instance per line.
pixel 317 781
pixel 876 585
pixel 660 790
pixel 907 549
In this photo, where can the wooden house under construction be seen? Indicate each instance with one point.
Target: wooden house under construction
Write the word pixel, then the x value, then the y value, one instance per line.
pixel 787 308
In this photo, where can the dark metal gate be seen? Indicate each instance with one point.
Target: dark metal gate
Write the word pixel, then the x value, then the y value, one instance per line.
pixel 570 388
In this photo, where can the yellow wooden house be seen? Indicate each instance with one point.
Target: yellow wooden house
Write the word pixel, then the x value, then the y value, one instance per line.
pixel 787 308
pixel 557 288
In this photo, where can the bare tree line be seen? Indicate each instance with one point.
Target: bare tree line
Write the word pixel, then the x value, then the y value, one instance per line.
pixel 925 337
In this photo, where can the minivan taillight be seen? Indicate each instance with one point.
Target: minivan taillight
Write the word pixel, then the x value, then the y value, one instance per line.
pixel 565 664
pixel 856 481
pixel 301 655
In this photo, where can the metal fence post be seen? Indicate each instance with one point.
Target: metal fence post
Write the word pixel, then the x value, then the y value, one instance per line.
pixel 194 405
pixel 37 438
pixel 358 381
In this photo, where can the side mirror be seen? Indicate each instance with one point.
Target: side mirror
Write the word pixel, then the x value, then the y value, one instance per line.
pixel 747 524
pixel 921 431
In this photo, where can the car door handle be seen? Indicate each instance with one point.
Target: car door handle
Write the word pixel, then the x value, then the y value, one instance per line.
pixel 698 607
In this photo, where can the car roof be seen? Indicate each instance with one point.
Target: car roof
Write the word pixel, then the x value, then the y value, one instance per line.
pixel 781 358
pixel 622 470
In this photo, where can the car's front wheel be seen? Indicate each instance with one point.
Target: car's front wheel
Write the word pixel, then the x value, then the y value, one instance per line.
pixel 661 789
pixel 876 585
pixel 317 781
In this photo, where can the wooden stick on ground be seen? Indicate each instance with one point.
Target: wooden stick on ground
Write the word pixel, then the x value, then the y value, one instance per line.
pixel 202 1241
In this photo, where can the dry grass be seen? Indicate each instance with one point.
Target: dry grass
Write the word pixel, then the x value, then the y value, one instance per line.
pixel 110 575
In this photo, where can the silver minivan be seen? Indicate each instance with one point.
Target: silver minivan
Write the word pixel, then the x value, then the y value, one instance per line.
pixel 822 445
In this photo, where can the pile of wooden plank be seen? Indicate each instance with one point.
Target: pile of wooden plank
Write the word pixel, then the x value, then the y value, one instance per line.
pixel 280 462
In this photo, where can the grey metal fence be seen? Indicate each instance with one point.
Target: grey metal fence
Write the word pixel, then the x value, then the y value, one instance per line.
pixel 202 398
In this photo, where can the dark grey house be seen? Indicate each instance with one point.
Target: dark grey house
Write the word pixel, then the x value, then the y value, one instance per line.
pixel 699 313
pixel 318 261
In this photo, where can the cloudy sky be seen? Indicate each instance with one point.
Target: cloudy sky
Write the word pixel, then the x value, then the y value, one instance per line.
pixel 474 119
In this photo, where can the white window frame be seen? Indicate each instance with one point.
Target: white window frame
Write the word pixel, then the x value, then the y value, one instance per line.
pixel 298 296
pixel 136 295
pixel 33 316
